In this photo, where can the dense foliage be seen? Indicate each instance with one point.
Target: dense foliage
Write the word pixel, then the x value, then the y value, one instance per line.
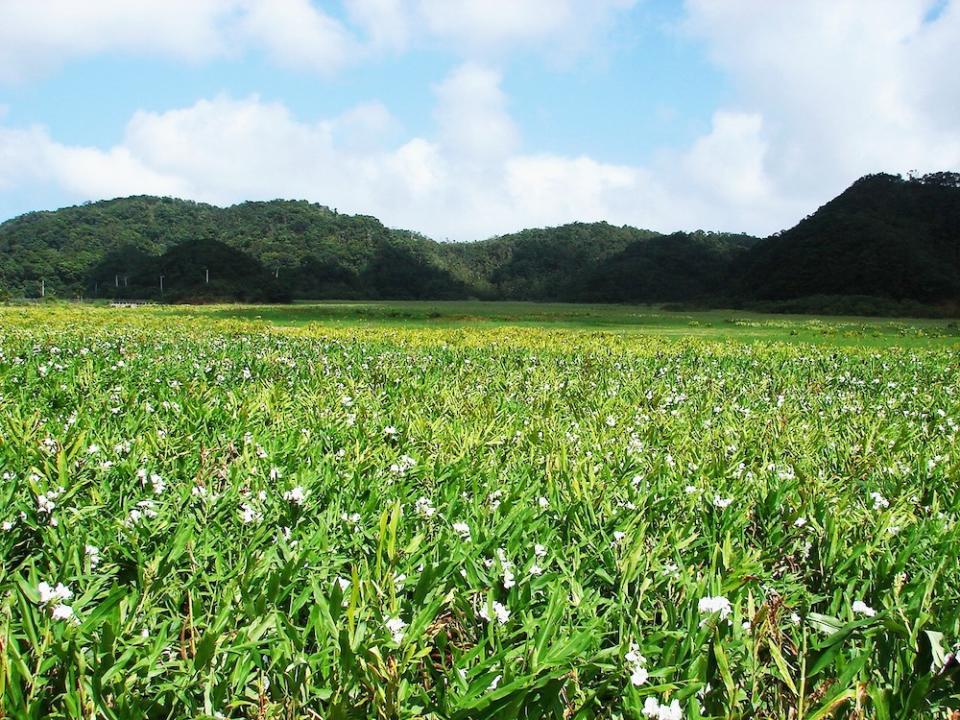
pixel 197 271
pixel 212 519
pixel 887 243
pixel 885 236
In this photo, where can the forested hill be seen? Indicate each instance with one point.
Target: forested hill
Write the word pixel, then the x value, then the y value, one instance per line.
pixel 311 250
pixel 113 249
pixel 885 240
pixel 884 237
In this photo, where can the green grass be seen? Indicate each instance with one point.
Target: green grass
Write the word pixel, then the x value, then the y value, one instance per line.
pixel 646 320
pixel 342 511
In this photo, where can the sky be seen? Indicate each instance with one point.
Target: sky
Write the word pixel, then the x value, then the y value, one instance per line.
pixel 464 119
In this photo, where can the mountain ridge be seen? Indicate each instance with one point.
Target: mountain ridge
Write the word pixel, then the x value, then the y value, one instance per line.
pixel 885 237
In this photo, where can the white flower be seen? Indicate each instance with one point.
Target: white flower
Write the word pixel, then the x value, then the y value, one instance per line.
pixel 536 570
pixel 390 431
pixel 50 595
pixel 158 483
pixel 639 676
pixel 93 553
pixel 859 606
pixel 7 526
pixel 62 612
pixel 405 464
pixel 463 530
pixel 722 503
pixel 395 625
pixel 637 665
pixel 249 514
pixel 275 473
pixel 499 611
pixel 543 502
pixel 424 508
pixel 718 604
pixel 800 522
pixel 343 583
pixel 539 550
pixel 879 501
pixel 45 504
pixel 297 496
pixel 144 509
pixel 655 711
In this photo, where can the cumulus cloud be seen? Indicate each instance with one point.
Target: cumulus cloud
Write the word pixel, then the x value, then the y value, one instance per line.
pixel 491 25
pixel 842 88
pixel 470 180
pixel 37 36
pixel 472 115
pixel 297 35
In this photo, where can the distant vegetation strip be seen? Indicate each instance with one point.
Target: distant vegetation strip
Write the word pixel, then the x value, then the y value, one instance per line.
pixel 888 245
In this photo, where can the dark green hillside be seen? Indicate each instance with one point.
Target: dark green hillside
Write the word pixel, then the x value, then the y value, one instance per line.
pixel 885 245
pixel 884 237
pixel 540 264
pixel 194 271
pixel 682 267
pixel 63 247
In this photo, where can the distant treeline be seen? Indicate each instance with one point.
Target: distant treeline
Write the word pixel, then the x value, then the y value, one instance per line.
pixel 887 245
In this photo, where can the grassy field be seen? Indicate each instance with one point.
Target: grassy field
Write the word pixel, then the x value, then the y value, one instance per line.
pixel 465 510
pixel 720 325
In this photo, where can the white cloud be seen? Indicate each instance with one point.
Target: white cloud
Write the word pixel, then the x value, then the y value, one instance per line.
pixel 843 88
pixel 296 34
pixel 389 24
pixel 491 25
pixel 472 115
pixel 472 180
pixel 38 36
pixel 30 157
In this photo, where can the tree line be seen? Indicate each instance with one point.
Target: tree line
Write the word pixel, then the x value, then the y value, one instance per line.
pixel 887 243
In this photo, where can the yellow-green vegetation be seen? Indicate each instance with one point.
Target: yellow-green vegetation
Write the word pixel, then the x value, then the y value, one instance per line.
pixel 206 513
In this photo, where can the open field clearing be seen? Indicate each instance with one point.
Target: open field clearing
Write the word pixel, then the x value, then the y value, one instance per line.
pixel 440 510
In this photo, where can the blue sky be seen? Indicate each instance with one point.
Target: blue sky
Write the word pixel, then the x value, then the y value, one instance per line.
pixel 467 118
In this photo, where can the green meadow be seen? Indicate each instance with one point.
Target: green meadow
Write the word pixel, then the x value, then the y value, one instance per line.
pixel 476 510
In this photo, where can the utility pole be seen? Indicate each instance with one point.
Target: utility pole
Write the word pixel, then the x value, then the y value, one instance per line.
pixel 207 271
pixel 43 287
pixel 161 284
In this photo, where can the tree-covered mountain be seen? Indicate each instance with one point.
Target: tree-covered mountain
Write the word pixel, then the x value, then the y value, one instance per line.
pixel 885 237
pixel 884 240
pixel 311 250
pixel 194 271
